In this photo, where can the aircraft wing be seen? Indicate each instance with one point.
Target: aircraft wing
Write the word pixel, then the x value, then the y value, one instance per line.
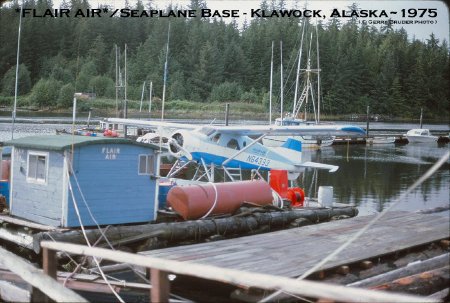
pixel 331 168
pixel 151 124
pixel 247 130
pixel 307 130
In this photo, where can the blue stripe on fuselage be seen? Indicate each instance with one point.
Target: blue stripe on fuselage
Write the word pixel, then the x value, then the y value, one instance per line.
pixel 218 160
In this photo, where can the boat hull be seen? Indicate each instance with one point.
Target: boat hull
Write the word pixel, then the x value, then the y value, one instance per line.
pixel 307 141
pixel 422 139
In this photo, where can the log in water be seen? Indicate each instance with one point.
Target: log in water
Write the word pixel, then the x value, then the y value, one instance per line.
pixel 200 229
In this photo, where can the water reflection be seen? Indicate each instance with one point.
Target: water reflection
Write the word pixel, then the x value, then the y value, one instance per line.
pixel 372 177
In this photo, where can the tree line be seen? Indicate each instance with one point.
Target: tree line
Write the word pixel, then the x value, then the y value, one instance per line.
pixel 213 60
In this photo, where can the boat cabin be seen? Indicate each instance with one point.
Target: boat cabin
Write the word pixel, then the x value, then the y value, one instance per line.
pixel 66 181
pixel 418 132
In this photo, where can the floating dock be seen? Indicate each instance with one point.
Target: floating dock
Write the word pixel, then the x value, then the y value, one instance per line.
pixel 271 261
pixel 291 253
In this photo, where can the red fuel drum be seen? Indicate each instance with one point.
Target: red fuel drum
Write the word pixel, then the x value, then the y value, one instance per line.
pixel 195 201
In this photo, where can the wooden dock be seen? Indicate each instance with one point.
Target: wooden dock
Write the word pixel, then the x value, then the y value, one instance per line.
pixel 292 252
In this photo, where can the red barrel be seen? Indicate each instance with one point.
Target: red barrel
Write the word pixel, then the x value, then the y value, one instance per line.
pixel 6 167
pixel 279 181
pixel 195 201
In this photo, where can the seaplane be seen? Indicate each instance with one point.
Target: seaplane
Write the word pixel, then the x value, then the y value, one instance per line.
pixel 239 147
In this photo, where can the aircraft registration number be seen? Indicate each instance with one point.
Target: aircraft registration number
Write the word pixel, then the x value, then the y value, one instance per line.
pixel 261 161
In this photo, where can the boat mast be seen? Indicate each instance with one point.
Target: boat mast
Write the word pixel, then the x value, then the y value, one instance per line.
pixel 125 110
pixel 421 115
pixel 318 75
pixel 270 89
pixel 308 78
pixel 118 78
pixel 165 74
pixel 142 97
pixel 298 69
pixel 17 75
pixel 281 81
pixel 150 98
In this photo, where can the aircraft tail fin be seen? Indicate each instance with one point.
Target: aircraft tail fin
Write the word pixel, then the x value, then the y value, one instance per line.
pixel 293 145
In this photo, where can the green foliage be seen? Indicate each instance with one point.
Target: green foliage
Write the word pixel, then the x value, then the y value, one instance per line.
pixel 226 92
pixel 6 101
pixel 182 105
pixel 9 80
pixel 210 60
pixel 250 96
pixel 65 96
pixel 62 74
pixel 45 92
pixel 101 85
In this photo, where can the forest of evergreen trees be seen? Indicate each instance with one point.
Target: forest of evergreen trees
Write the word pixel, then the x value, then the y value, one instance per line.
pixel 212 60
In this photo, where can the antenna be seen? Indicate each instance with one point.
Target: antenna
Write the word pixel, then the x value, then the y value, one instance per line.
pixel 17 75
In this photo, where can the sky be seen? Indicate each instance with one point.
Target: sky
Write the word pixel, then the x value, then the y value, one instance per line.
pixel 438 25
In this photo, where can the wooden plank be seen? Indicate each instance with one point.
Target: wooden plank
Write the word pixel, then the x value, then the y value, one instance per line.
pixel 12 293
pixel 37 279
pixel 292 252
pixel 21 222
pixel 160 290
pixel 251 279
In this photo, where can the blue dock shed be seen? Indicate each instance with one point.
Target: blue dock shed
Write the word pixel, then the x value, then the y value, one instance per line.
pixel 104 180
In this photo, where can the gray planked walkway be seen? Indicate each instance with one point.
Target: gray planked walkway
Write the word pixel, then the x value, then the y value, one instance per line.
pixel 292 252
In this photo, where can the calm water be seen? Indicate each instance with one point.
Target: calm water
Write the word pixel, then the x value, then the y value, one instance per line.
pixel 370 177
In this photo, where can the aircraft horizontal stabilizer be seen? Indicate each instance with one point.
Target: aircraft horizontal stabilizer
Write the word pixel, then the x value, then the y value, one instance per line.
pixel 331 168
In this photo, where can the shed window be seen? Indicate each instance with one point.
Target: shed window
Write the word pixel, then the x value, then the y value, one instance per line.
pixel 146 164
pixel 37 167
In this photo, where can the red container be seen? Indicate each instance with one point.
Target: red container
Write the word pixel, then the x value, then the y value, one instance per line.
pixel 196 201
pixel 279 181
pixel 6 167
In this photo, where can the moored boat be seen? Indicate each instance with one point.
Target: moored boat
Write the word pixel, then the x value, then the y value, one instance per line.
pixel 420 135
pixel 380 140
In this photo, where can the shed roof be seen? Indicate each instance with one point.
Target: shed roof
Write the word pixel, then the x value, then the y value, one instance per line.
pixel 62 142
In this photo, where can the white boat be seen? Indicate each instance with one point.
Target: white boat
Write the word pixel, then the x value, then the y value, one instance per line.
pixel 420 135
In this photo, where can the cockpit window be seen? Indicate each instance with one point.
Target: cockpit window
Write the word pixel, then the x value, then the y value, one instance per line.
pixel 216 137
pixel 233 144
